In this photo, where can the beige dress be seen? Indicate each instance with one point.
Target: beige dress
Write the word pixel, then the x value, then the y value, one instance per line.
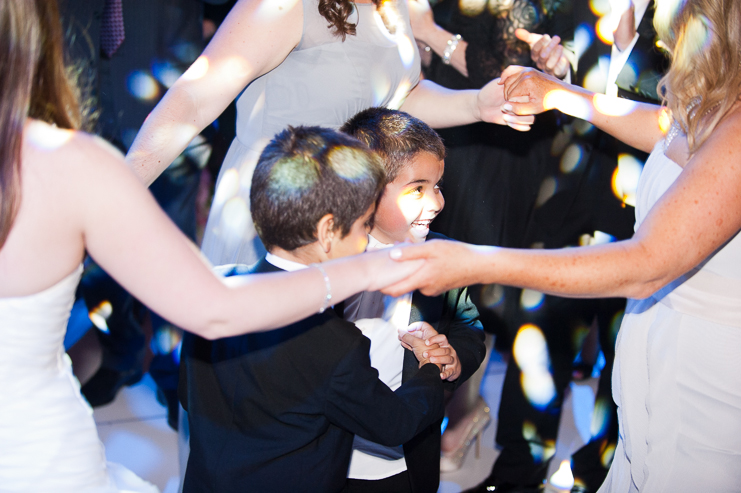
pixel 323 81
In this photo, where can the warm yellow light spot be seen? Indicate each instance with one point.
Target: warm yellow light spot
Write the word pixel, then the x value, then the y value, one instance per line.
pixel 567 102
pixel 625 178
pixel 612 106
pixel 198 69
pixel 600 7
pixel 531 354
pixel 607 455
pixel 100 314
pixel 400 95
pixel 472 8
pixel 395 310
pixel 605 28
pixel 665 120
pixel 406 45
pixel 563 478
pixel 47 137
pixel 271 10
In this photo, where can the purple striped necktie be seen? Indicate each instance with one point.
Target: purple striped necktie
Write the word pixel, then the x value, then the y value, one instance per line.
pixel 112 27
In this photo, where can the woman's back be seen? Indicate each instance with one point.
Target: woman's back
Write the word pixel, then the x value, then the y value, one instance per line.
pixel 46 242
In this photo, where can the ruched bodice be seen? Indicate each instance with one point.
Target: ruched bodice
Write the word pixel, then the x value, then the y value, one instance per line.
pixel 48 439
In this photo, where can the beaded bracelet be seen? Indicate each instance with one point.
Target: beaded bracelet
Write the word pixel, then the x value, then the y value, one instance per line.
pixel 328 298
pixel 450 48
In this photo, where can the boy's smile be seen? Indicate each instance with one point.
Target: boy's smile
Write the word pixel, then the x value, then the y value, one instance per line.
pixel 410 202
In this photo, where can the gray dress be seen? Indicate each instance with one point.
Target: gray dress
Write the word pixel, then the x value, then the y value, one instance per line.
pixel 323 81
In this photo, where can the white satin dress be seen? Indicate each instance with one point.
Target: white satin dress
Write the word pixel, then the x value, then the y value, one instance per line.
pixel 48 439
pixel 677 374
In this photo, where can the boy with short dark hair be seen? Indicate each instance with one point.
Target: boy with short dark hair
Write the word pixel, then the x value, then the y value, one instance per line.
pixel 413 155
pixel 276 411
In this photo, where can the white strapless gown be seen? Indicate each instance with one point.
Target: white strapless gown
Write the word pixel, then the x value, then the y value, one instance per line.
pixel 48 439
pixel 677 374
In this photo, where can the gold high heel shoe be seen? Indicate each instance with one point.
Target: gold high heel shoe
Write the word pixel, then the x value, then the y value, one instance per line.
pixel 476 421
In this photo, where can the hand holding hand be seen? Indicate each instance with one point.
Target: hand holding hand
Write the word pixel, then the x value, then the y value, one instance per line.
pixel 526 90
pixel 489 102
pixel 419 347
pixel 382 271
pixel 546 52
pixel 445 354
pixel 421 19
pixel 447 265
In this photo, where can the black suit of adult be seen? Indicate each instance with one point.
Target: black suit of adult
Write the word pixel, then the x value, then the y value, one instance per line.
pixel 276 411
pixel 453 314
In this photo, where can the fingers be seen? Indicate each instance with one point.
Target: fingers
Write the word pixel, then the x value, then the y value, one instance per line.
pixel 509 72
pixel 519 122
pixel 527 36
pixel 440 339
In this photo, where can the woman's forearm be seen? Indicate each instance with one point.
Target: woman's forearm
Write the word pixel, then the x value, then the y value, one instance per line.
pixel 165 134
pixel 438 39
pixel 440 107
pixel 637 124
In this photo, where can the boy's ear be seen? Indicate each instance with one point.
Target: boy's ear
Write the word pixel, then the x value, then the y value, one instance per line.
pixel 325 232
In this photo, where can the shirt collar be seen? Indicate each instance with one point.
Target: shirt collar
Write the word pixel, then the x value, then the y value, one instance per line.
pixel 281 263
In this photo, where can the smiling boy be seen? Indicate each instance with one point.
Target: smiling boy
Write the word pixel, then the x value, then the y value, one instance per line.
pixel 413 155
pixel 276 411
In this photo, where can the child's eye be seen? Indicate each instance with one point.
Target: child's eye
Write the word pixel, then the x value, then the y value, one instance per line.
pixel 416 191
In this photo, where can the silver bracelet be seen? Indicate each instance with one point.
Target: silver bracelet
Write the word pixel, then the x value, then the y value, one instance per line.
pixel 328 298
pixel 450 48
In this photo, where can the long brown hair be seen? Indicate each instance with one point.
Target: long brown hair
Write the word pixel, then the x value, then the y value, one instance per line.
pixel 704 81
pixel 336 12
pixel 35 83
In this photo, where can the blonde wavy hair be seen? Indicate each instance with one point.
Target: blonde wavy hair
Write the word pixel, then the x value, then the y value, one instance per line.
pixel 704 81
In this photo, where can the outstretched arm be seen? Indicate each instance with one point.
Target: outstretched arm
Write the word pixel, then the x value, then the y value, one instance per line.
pixel 440 107
pixel 637 124
pixel 255 37
pixel 697 215
pixel 130 237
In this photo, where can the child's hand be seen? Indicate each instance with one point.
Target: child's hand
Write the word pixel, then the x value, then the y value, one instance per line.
pixel 419 347
pixel 437 349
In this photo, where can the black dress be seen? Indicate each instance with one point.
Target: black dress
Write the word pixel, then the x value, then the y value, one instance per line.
pixel 494 173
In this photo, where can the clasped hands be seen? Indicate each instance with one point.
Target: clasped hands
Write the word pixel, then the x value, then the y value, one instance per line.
pixel 430 347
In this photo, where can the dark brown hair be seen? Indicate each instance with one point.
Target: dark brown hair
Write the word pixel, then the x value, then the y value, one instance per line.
pixel 305 173
pixel 34 83
pixel 396 136
pixel 336 12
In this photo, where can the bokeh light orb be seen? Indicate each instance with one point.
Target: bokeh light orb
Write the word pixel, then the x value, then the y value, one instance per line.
pixel 571 158
pixel 531 300
pixel 142 86
pixel 625 178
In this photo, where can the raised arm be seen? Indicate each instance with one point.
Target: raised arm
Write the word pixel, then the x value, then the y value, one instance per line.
pixel 440 107
pixel 697 215
pixel 256 37
pixel 637 124
pixel 130 237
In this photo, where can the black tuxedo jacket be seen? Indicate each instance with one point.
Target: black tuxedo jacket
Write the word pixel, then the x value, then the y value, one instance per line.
pixel 645 66
pixel 453 314
pixel 276 411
